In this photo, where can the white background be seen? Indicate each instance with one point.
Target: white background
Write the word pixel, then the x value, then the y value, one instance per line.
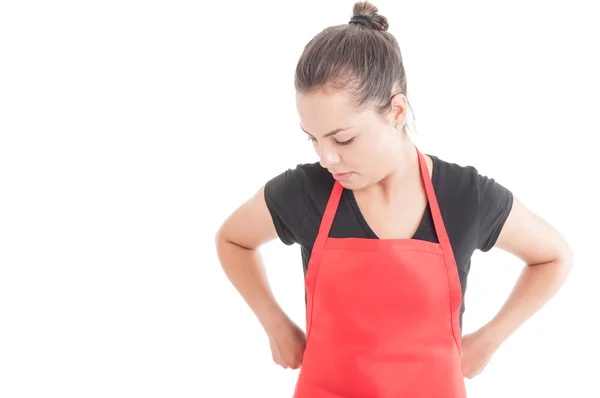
pixel 130 130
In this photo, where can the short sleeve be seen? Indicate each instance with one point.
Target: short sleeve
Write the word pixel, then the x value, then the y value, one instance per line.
pixel 285 199
pixel 495 204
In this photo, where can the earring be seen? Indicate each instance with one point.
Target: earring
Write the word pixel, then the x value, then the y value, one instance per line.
pixel 398 125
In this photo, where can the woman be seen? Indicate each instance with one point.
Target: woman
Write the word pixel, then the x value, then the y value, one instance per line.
pixel 386 234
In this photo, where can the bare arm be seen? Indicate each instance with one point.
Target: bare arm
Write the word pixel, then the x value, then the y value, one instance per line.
pixel 549 260
pixel 238 240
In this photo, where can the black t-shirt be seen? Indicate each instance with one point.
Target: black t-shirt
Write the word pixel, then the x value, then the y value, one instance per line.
pixel 474 208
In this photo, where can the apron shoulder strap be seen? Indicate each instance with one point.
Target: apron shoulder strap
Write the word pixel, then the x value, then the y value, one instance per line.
pixel 436 214
pixel 329 215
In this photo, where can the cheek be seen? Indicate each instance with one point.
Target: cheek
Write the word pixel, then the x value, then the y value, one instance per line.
pixel 374 147
pixel 363 155
pixel 374 154
pixel 382 147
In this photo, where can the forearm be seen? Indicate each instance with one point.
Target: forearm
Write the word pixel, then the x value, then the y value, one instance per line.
pixel 245 270
pixel 536 285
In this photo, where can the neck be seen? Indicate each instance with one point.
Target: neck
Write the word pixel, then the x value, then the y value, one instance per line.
pixel 405 172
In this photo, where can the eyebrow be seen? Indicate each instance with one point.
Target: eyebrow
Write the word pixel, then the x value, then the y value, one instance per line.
pixel 333 132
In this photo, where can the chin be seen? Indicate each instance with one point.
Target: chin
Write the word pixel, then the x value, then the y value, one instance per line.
pixel 351 185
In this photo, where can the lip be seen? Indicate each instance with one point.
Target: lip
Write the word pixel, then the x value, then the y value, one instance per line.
pixel 342 176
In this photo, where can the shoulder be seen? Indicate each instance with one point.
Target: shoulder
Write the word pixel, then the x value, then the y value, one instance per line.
pixel 461 179
pixel 289 194
pixel 449 174
pixel 463 190
pixel 305 179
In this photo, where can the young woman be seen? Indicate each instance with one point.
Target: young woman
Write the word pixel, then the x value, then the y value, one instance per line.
pixel 386 233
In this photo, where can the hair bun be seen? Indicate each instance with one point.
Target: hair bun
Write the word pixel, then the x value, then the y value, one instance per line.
pixel 366 14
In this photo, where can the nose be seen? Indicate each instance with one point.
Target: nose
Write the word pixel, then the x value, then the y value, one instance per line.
pixel 328 157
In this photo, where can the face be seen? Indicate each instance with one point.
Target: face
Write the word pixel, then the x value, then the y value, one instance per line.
pixel 359 148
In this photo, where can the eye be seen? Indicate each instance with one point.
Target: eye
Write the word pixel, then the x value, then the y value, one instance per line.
pixel 348 142
pixel 342 143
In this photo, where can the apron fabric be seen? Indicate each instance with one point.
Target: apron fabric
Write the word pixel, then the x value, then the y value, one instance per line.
pixel 383 315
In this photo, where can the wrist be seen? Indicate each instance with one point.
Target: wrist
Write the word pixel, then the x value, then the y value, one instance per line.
pixel 494 334
pixel 272 319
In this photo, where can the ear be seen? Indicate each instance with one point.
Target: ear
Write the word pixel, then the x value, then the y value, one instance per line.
pixel 398 110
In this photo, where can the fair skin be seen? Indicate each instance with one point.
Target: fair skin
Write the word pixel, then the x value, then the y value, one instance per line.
pixel 384 173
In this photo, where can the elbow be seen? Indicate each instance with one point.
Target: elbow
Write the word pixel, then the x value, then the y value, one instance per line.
pixel 221 239
pixel 558 261
pixel 222 245
pixel 566 258
pixel 219 235
pixel 563 262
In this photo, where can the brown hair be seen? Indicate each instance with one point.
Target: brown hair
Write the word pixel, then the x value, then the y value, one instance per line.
pixel 360 57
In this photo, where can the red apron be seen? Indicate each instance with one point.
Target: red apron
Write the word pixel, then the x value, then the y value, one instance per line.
pixel 382 315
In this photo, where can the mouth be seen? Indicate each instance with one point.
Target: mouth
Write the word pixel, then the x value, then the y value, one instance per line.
pixel 342 176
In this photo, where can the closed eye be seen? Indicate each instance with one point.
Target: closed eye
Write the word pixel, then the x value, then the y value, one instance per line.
pixel 347 142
